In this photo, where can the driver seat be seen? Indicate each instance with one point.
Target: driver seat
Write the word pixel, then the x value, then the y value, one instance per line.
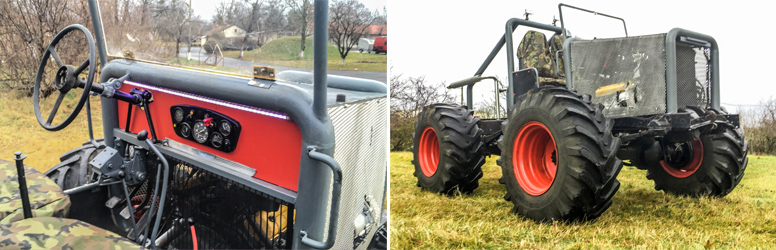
pixel 533 52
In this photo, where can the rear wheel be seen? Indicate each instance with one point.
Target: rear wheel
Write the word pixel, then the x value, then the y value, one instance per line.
pixel 712 165
pixel 558 156
pixel 447 149
pixel 74 171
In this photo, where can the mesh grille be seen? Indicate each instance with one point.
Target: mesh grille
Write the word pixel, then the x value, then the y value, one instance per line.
pixel 225 214
pixel 640 60
pixel 361 132
pixel 693 77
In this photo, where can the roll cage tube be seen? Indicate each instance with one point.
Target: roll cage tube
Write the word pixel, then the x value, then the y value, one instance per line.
pixel 560 10
pixel 511 25
pixel 311 117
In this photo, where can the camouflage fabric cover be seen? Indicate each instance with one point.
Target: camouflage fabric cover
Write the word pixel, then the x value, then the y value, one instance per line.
pixel 59 233
pixel 46 198
pixel 556 44
pixel 534 54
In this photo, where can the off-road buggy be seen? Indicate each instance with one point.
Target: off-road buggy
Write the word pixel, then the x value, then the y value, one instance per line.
pixel 575 109
pixel 197 159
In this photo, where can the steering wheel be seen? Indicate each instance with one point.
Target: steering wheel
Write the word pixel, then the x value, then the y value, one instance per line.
pixel 66 78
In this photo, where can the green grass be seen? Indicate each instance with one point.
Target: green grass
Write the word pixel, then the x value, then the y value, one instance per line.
pixel 639 217
pixel 283 51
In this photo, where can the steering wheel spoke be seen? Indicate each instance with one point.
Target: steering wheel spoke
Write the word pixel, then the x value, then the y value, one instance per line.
pixel 55 108
pixel 54 54
pixel 82 67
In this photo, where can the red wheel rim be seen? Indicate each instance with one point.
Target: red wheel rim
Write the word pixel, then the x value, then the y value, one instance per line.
pixel 691 167
pixel 428 152
pixel 534 158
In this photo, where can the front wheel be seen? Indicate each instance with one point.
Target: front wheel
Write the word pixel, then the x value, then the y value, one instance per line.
pixel 712 165
pixel 447 149
pixel 558 156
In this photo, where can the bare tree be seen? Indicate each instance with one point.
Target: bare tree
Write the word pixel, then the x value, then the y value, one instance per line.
pixel 172 19
pixel 759 122
pixel 300 15
pixel 248 18
pixel 349 21
pixel 275 19
pixel 408 96
pixel 26 29
pixel 381 18
pixel 225 12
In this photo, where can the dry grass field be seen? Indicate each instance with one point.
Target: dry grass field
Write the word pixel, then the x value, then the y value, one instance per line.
pixel 640 217
pixel 20 131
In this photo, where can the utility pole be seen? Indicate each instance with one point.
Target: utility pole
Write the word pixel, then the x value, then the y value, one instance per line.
pixel 188 54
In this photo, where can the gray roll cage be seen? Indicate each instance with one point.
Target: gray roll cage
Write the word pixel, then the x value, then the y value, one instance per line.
pixel 674 36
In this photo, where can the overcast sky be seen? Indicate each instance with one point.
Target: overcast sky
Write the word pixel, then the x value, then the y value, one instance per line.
pixel 207 8
pixel 448 40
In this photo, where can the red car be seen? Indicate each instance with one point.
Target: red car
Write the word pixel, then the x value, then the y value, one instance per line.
pixel 380 45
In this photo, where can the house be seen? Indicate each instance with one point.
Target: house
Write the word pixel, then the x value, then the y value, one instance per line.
pixel 227 31
pixel 375 30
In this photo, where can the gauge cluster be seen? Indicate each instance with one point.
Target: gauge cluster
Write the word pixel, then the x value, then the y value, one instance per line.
pixel 205 127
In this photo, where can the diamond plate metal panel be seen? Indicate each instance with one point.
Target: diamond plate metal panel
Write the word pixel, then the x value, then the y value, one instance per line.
pixel 639 60
pixel 361 134
pixel 693 77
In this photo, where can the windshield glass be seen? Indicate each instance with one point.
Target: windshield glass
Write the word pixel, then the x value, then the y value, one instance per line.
pixel 224 36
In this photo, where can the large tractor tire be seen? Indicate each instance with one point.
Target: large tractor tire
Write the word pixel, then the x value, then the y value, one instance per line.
pixel 447 149
pixel 558 156
pixel 74 171
pixel 712 165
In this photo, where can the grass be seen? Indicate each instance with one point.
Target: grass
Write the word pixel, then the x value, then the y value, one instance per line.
pixel 20 131
pixel 640 217
pixel 283 51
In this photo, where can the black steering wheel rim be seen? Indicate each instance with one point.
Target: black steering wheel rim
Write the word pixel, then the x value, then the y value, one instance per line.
pixel 66 73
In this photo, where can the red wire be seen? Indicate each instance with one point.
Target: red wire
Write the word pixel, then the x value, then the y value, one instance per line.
pixel 194 237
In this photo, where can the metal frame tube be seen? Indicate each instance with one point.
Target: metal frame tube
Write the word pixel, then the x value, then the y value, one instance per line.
pixel 560 10
pixel 511 25
pixel 110 119
pixel 336 191
pixel 320 60
pixel 510 28
pixel 671 91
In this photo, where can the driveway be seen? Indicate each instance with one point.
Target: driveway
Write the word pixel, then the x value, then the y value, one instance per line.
pixel 198 54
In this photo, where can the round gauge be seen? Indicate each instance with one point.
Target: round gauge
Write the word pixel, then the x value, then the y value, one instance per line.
pixel 178 115
pixel 185 130
pixel 200 132
pixel 217 140
pixel 225 128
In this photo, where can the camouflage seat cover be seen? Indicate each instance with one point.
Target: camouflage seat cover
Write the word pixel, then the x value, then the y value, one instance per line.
pixel 46 198
pixel 534 54
pixel 59 233
pixel 556 44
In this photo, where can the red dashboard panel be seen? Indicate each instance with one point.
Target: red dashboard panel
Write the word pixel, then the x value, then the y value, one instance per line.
pixel 268 142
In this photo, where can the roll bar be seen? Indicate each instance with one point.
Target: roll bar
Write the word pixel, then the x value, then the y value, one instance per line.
pixel 510 27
